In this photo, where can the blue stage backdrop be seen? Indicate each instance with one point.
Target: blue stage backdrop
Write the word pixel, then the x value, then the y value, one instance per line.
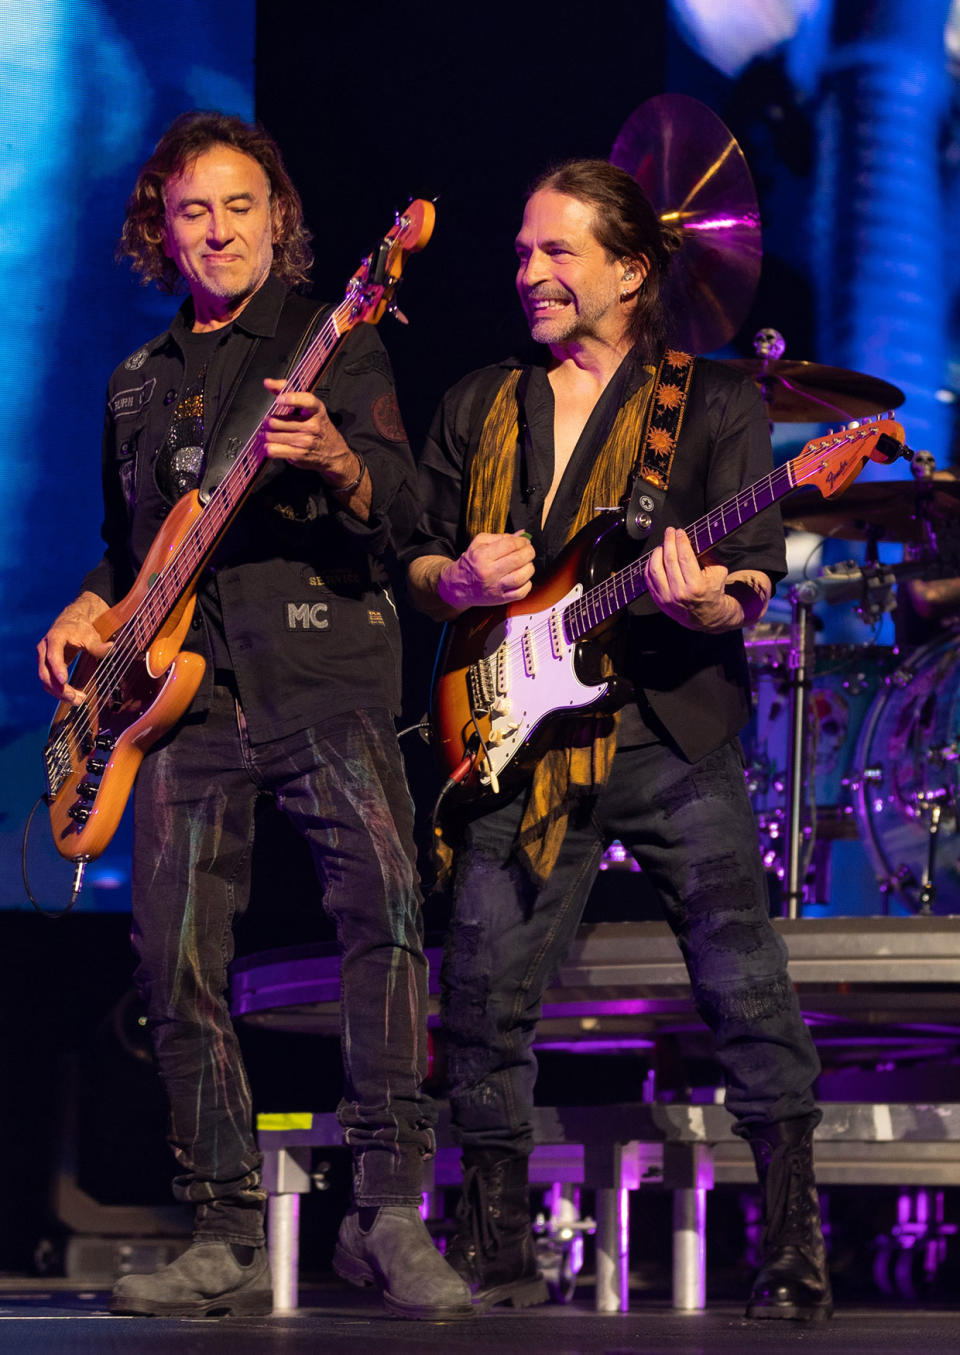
pixel 86 86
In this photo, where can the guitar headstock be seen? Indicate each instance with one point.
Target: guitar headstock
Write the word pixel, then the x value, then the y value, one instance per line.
pixel 834 461
pixel 371 290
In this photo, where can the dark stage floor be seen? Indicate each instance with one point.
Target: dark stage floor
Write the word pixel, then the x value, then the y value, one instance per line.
pixel 36 1319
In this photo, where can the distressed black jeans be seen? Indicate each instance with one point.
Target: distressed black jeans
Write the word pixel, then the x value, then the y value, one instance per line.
pixel 691 828
pixel 343 787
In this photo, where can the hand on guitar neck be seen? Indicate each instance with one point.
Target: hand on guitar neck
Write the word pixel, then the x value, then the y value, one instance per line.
pixel 304 436
pixel 73 630
pixel 705 598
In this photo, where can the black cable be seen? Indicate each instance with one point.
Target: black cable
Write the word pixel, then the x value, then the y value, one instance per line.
pixel 422 727
pixel 78 869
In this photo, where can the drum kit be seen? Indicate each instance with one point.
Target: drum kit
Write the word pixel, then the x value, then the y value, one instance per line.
pixel 849 740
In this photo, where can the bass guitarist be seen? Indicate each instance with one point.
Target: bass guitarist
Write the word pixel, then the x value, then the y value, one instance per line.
pixel 299 632
pixel 521 457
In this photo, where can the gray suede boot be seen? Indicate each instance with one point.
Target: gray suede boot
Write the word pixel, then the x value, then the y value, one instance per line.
pixel 389 1247
pixel 206 1280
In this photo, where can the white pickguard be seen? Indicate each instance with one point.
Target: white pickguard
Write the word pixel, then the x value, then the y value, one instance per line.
pixel 530 665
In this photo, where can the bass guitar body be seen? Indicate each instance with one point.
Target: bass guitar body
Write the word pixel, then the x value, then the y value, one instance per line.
pixel 503 672
pixel 94 750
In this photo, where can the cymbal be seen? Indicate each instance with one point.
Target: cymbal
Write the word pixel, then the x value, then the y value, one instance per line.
pixel 696 178
pixel 805 392
pixel 887 510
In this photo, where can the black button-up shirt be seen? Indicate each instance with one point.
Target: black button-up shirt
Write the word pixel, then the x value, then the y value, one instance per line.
pixel 693 685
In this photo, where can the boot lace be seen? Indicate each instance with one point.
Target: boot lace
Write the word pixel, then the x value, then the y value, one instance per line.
pixel 475 1217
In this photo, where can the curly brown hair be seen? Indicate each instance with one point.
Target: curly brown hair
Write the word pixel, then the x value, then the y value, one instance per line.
pixel 190 135
pixel 626 225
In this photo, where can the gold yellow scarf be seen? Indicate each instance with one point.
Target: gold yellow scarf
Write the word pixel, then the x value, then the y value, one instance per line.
pixel 580 763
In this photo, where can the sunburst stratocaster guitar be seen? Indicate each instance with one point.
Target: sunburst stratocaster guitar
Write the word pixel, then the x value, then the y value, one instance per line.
pixel 144 684
pixel 503 672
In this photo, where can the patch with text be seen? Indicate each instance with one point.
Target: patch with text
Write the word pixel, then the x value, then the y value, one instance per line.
pixel 131 401
pixel 306 616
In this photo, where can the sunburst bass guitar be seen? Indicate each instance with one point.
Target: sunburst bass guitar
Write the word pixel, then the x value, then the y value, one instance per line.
pixel 145 683
pixel 504 674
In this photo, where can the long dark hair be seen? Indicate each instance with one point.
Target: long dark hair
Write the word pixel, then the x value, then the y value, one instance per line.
pixel 190 135
pixel 627 227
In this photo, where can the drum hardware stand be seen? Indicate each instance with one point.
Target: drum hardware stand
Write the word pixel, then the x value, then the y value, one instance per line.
pixel 930 804
pixel 927 887
pixel 799 663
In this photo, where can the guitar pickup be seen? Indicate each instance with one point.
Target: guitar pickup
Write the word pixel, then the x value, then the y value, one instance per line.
pixel 529 653
pixel 557 643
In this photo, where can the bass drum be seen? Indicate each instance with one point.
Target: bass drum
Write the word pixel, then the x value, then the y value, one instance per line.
pixel 905 773
pixel 845 682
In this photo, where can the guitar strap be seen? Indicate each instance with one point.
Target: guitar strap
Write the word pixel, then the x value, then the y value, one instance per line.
pixel 247 401
pixel 664 419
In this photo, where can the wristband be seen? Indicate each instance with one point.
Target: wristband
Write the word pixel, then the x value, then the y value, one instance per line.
pixel 346 489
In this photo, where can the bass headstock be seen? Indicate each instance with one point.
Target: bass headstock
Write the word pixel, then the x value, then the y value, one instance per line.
pixel 372 290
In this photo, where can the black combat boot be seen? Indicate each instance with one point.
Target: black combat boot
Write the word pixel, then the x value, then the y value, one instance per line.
pixel 493 1247
pixel 793 1281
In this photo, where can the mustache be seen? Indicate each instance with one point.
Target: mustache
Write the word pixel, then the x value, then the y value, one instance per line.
pixel 546 293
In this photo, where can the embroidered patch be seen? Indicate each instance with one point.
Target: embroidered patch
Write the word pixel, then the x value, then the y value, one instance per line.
pixel 375 618
pixel 306 616
pixel 386 418
pixel 136 360
pixel 374 361
pixel 128 402
pixel 306 512
pixel 335 577
pixel 128 473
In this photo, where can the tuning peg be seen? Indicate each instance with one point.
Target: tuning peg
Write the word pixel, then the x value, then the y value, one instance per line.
pixel 394 310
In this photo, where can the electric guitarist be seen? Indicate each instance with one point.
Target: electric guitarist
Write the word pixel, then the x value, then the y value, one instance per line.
pixel 520 458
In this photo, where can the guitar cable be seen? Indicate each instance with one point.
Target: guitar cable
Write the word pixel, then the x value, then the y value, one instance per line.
pixel 79 866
